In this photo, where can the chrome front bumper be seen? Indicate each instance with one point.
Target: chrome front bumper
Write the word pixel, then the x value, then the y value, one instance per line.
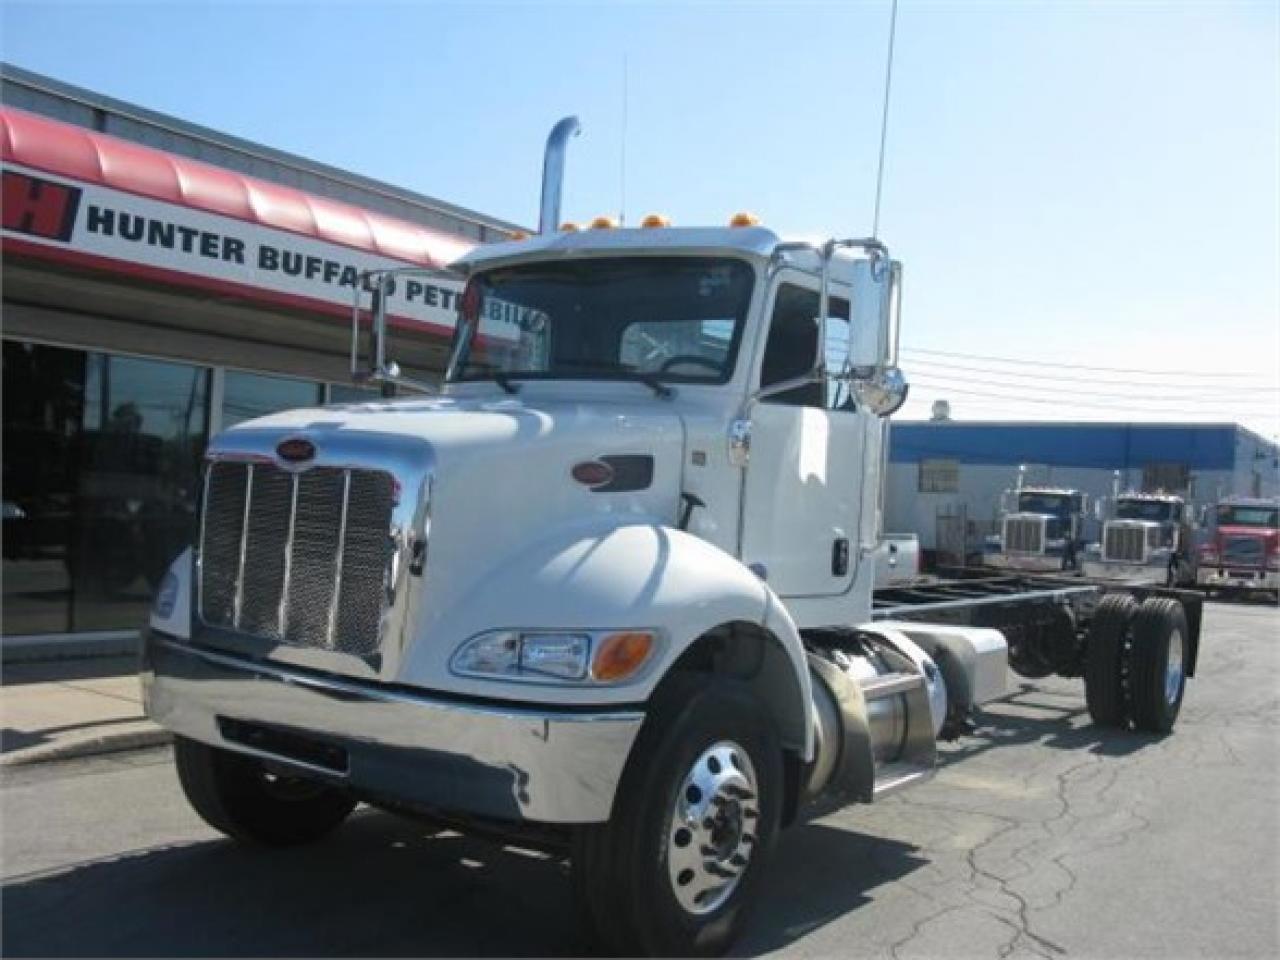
pixel 498 761
pixel 1031 562
pixel 1123 572
pixel 1238 578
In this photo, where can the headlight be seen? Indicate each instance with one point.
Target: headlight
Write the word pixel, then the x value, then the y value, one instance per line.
pixel 547 657
pixel 166 597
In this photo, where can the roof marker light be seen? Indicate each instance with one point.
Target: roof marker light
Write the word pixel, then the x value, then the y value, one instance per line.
pixel 654 221
pixel 603 223
pixel 744 219
pixel 568 227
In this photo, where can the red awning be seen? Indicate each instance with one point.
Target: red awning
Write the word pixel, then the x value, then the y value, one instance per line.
pixel 92 157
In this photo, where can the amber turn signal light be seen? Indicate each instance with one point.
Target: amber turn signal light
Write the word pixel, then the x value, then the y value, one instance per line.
pixel 620 655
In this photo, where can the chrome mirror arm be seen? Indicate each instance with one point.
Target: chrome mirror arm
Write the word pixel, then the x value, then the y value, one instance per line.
pixel 379 283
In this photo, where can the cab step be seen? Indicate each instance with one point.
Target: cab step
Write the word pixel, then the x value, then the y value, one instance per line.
pixel 893 777
pixel 891 684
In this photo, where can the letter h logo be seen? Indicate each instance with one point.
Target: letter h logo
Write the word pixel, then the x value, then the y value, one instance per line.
pixel 38 207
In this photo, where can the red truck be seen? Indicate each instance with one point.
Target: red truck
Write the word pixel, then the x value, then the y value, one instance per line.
pixel 1243 552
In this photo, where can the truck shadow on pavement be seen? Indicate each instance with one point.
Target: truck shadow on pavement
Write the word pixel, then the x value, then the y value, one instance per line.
pixel 384 886
pixel 1030 714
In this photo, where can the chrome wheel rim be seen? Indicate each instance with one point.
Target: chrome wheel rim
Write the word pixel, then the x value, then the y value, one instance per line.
pixel 1173 669
pixel 711 833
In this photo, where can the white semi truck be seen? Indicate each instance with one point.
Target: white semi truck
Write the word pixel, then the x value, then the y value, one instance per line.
pixel 1149 538
pixel 611 591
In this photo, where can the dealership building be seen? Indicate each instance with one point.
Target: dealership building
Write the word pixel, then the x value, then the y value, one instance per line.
pixel 163 281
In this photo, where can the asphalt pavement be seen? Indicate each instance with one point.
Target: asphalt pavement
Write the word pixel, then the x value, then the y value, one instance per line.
pixel 1039 837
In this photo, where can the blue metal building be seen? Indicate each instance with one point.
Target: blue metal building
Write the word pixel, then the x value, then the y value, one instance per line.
pixel 957 471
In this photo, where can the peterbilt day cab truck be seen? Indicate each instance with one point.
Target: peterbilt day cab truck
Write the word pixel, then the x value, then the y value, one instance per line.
pixel 1043 533
pixel 1149 538
pixel 1243 553
pixel 611 591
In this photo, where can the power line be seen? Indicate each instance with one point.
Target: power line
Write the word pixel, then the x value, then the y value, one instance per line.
pixel 1090 392
pixel 1073 378
pixel 1064 402
pixel 1076 366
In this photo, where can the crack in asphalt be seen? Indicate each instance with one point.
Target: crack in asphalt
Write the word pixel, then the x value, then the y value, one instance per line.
pixel 1019 915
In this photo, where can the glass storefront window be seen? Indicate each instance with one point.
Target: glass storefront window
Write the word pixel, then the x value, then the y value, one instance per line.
pixel 350 393
pixel 101 480
pixel 249 395
pixel 43 412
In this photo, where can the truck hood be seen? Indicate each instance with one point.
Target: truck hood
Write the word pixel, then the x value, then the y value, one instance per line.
pixel 485 480
pixel 500 461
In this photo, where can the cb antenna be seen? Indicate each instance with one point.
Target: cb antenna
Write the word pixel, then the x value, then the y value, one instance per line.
pixel 884 117
pixel 622 172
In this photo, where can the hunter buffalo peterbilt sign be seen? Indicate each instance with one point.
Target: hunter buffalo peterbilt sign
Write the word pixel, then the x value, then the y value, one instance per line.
pixel 65 219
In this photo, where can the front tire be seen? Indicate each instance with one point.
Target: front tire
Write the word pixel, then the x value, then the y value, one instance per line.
pixel 695 818
pixel 240 797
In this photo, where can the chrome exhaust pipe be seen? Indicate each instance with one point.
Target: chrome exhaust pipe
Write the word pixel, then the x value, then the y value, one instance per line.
pixel 553 173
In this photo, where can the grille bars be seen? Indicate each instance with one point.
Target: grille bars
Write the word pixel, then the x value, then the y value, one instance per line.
pixel 283 616
pixel 296 558
pixel 337 568
pixel 244 547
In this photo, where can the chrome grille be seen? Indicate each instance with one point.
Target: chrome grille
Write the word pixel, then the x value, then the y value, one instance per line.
pixel 299 558
pixel 1243 551
pixel 1024 534
pixel 1125 542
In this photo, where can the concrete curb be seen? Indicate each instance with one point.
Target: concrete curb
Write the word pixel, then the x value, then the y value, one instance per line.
pixel 116 742
pixel 37 649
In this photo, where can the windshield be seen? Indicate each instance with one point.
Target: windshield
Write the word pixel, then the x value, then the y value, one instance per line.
pixel 673 318
pixel 1159 511
pixel 1237 516
pixel 1053 504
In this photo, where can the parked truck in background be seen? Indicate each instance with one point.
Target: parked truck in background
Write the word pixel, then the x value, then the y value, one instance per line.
pixel 1242 553
pixel 1043 532
pixel 1148 538
pixel 612 593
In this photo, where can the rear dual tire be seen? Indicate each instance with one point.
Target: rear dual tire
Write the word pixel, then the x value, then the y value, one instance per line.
pixel 1135 665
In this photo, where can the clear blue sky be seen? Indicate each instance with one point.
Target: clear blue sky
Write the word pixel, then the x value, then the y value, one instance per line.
pixel 1084 183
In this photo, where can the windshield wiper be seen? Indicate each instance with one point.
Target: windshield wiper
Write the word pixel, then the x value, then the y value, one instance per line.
pixel 628 372
pixel 502 380
pixel 651 381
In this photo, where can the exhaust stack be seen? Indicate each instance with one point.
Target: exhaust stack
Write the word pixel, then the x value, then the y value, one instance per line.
pixel 553 173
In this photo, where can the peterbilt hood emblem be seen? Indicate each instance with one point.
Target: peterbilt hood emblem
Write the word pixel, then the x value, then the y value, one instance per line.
pixel 296 450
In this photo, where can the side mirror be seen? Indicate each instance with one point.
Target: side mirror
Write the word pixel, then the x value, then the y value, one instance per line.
pixel 876 382
pixel 1099 508
pixel 883 393
pixel 871 337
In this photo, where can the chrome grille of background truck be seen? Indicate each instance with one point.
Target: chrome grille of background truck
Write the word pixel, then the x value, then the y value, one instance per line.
pixel 1127 543
pixel 297 558
pixel 1024 534
pixel 1243 551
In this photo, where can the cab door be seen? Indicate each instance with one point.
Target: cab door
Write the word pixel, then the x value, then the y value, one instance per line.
pixel 803 497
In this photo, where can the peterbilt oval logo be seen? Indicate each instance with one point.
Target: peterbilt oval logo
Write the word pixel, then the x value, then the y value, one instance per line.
pixel 296 450
pixel 592 473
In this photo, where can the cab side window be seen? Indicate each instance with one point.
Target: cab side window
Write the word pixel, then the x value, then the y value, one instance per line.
pixel 793 343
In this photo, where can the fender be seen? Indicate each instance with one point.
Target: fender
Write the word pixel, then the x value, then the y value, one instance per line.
pixel 611 573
